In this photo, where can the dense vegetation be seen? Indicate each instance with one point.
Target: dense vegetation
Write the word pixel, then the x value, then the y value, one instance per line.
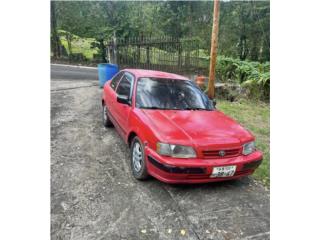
pixel 253 76
pixel 83 28
pixel 244 26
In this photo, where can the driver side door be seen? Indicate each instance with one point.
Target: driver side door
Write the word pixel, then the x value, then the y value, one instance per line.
pixel 122 111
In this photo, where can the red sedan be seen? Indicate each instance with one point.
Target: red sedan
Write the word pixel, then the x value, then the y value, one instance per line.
pixel 174 131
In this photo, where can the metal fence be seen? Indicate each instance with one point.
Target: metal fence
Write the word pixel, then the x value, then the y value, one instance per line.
pixel 163 53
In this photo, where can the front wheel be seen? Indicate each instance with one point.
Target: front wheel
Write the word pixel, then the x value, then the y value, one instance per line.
pixel 138 163
pixel 105 118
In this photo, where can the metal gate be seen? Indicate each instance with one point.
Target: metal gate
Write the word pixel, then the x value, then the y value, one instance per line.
pixel 163 53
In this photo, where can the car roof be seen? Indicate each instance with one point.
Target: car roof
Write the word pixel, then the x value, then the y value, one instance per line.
pixel 152 73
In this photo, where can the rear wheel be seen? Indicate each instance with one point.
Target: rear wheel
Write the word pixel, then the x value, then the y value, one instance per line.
pixel 105 117
pixel 138 163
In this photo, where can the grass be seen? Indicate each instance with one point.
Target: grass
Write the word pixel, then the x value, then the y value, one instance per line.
pixel 79 45
pixel 255 117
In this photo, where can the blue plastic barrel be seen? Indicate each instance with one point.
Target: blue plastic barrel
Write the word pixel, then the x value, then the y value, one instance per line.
pixel 106 71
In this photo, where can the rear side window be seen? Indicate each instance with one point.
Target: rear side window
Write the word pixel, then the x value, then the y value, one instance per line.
pixel 124 87
pixel 115 80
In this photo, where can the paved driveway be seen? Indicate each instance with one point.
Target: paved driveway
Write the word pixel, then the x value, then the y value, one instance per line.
pixel 94 196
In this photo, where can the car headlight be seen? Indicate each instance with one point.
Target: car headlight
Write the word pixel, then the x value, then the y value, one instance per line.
pixel 177 151
pixel 248 148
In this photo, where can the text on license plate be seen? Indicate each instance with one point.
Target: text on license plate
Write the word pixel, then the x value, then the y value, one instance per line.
pixel 225 171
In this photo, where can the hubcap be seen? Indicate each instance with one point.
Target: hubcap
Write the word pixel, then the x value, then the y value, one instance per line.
pixel 137 157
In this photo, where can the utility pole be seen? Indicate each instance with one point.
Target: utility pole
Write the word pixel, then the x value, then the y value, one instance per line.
pixel 214 49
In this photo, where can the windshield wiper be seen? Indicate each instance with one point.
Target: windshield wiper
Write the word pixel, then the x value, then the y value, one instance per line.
pixel 153 107
pixel 195 108
pixel 187 108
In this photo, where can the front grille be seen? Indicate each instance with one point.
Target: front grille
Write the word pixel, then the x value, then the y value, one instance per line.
pixel 216 153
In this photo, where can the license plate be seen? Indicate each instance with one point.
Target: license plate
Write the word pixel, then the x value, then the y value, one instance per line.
pixel 225 171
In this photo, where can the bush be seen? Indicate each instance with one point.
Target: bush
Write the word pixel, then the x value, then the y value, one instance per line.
pixel 254 77
pixel 258 87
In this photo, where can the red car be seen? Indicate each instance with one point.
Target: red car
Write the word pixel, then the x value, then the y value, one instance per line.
pixel 174 131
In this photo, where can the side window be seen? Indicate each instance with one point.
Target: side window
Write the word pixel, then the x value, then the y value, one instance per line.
pixel 125 85
pixel 115 80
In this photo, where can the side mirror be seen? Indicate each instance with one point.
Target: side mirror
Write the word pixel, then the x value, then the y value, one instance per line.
pixel 123 99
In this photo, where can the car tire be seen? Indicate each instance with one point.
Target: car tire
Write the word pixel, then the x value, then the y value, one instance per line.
pixel 105 118
pixel 137 158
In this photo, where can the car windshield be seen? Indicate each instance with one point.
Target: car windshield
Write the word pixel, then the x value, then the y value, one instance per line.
pixel 170 94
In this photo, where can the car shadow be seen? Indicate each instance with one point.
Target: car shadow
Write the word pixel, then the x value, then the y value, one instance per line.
pixel 235 183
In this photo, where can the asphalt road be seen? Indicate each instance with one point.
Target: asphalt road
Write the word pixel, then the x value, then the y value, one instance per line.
pixel 65 72
pixel 94 196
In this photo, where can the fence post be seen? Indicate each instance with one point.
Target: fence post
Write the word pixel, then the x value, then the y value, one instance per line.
pixel 139 54
pixel 148 56
pixel 179 55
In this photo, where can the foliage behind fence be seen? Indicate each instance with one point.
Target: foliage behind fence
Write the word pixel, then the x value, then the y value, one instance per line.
pixel 163 53
pixel 173 55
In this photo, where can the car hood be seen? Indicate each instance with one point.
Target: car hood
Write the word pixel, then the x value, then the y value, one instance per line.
pixel 201 128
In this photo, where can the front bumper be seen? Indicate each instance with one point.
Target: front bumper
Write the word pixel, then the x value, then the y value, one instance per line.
pixel 197 170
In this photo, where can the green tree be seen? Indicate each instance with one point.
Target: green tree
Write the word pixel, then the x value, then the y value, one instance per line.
pixel 244 26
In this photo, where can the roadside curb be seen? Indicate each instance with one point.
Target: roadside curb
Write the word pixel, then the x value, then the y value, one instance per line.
pixel 75 66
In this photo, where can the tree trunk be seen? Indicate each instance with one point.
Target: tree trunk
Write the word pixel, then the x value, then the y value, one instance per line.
pixel 69 39
pixel 243 48
pixel 55 40
pixel 102 48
